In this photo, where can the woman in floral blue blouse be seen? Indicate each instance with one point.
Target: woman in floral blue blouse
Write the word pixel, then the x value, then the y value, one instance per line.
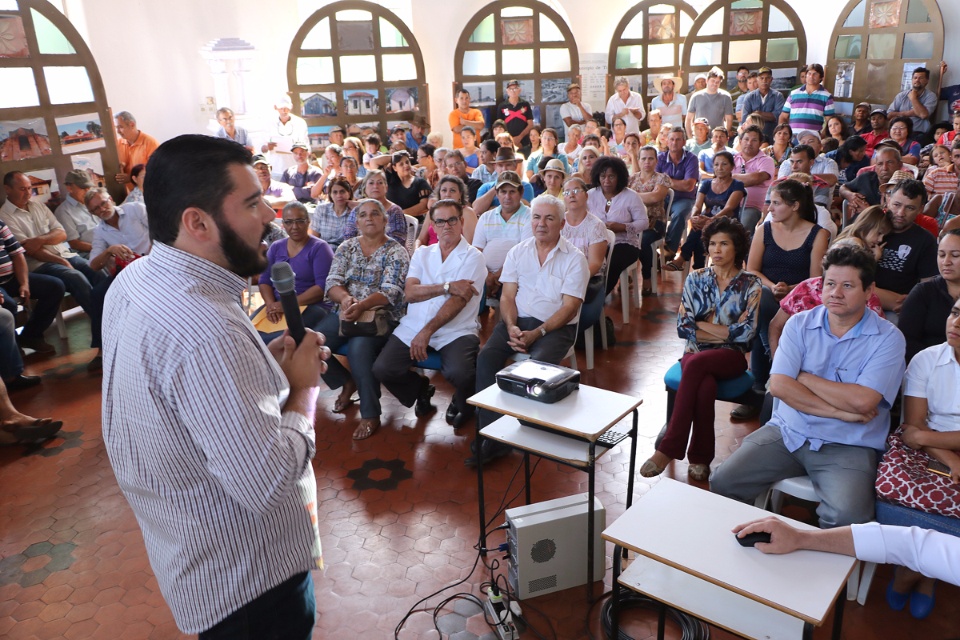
pixel 718 319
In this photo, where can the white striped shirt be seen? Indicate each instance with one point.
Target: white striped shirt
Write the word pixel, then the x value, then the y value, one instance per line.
pixel 219 479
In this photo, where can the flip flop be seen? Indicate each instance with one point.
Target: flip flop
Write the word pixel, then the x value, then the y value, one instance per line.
pixel 341 403
pixel 365 429
pixel 39 429
pixel 673 266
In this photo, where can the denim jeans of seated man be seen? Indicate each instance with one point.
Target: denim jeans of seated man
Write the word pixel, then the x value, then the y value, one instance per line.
pixel 679 214
pixel 46 294
pixel 79 280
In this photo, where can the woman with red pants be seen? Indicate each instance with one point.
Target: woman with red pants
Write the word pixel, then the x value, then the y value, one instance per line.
pixel 718 319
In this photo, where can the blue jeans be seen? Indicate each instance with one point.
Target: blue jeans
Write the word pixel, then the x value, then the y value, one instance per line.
pixel 46 291
pixel 362 352
pixel 11 364
pixel 285 612
pixel 78 281
pixel 679 214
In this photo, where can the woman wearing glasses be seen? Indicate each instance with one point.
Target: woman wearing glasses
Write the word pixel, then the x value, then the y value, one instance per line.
pixel 309 257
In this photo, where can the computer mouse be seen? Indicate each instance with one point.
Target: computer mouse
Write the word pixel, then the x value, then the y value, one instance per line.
pixel 753 538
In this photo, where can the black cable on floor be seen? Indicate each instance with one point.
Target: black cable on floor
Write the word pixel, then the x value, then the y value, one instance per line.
pixel 692 628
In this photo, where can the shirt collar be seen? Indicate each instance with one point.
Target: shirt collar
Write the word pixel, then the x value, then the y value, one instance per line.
pixel 945 357
pixel 868 325
pixel 210 277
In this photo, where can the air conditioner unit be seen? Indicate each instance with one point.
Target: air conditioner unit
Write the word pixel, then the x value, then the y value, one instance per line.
pixel 548 545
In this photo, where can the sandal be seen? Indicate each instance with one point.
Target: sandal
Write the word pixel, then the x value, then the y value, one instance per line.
pixel 673 266
pixel 344 400
pixel 366 428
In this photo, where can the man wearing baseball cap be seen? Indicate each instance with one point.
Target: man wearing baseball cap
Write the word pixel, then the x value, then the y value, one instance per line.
pixel 487 194
pixel 764 102
pixel 501 228
pixel 574 110
pixel 878 130
pixel 517 115
pixel 701 137
pixel 861 118
pixel 77 222
pixel 305 179
pixel 671 103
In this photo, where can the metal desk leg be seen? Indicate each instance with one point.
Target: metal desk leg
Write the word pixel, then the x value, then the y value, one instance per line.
pixel 807 631
pixel 591 474
pixel 615 593
pixel 838 615
pixel 661 620
pixel 483 523
pixel 526 472
pixel 633 458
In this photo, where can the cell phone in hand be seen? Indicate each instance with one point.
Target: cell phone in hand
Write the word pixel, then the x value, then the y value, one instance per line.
pixel 937 467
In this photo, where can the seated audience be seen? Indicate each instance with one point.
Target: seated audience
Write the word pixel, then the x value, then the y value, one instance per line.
pixel 353 148
pixel 544 279
pixel 782 145
pixel 860 123
pixel 851 156
pixel 864 190
pixel 571 146
pixel 756 171
pixel 487 169
pixel 821 167
pixel 469 149
pixel 329 219
pixel 719 140
pixel 930 432
pixel 701 137
pixel 73 216
pixel 453 165
pixel 835 127
pixel 901 129
pixel 878 131
pixel 549 178
pixel 305 179
pixel 917 104
pixel 621 210
pixel 122 236
pixel 910 252
pixel 718 319
pixel 501 228
pixel 443 297
pixel 367 274
pixel 654 121
pixel 17 281
pixel 310 258
pixel 230 131
pixel 948 137
pixel 836 375
pixel 653 189
pixel 588 155
pixel 586 232
pixel 548 149
pixel 631 152
pixel 785 252
pixel 928 304
pixel 276 193
pixel 683 169
pixel 374 187
pixel 941 181
pixel 824 217
pixel 451 188
pixel 43 239
pixel 404 188
pixel 721 195
pixel 487 194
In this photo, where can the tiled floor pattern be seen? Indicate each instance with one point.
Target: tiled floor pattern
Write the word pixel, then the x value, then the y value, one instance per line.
pixel 398 514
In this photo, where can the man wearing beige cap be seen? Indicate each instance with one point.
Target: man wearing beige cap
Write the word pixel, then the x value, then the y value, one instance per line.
pixel 764 102
pixel 77 222
pixel 671 103
pixel 574 110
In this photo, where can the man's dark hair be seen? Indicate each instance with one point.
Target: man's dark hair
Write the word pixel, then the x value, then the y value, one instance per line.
pixel 816 66
pixel 752 129
pixel 743 68
pixel 618 166
pixel 851 255
pixel 591 137
pixel 491 145
pixel 10 176
pixel 462 90
pixel 736 233
pixel 137 170
pixel 498 123
pixel 454 153
pixel 189 171
pixel 428 149
pixel 447 203
pixel 911 189
pixel 804 148
pixel 923 70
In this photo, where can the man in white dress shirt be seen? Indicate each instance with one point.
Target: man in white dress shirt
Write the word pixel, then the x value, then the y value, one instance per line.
pixel 625 104
pixel 544 280
pixel 209 431
pixel 574 110
pixel 443 296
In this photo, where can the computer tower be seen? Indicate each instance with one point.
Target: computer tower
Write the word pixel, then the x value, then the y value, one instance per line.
pixel 548 545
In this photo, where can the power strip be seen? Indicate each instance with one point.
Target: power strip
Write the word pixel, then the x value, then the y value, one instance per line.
pixel 497 612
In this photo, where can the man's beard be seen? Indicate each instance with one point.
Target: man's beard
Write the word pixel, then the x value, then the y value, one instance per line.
pixel 243 260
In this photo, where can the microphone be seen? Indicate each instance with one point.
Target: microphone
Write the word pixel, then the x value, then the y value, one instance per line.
pixel 283 281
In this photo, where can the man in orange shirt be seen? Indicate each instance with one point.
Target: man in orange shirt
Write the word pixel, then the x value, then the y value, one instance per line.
pixel 133 147
pixel 464 116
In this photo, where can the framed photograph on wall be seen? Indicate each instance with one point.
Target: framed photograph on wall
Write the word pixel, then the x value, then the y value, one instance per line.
pixel 80 133
pixel 402 99
pixel 322 104
pixel 23 139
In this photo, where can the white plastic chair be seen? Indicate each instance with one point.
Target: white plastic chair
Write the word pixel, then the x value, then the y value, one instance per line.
pixel 588 334
pixel 412 227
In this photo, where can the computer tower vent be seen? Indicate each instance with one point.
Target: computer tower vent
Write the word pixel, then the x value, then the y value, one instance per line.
pixel 548 582
pixel 543 550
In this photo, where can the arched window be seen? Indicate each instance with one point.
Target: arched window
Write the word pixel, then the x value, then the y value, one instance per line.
pixel 754 33
pixel 875 47
pixel 647 45
pixel 53 110
pixel 524 40
pixel 358 65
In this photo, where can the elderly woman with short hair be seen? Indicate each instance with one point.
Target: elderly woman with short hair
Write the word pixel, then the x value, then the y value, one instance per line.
pixel 368 272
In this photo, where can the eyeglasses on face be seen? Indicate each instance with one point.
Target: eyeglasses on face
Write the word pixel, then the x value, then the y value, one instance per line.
pixel 439 223
pixel 572 192
pixel 295 222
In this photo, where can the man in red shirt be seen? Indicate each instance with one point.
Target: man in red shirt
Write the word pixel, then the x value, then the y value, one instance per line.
pixel 878 120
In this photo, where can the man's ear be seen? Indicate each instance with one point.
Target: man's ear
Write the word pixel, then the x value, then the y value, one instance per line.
pixel 198 225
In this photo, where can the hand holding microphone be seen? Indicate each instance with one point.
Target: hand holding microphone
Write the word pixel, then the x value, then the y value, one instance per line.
pixel 283 281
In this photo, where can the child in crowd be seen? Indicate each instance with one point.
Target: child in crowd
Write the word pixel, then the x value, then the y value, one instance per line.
pixel 373 150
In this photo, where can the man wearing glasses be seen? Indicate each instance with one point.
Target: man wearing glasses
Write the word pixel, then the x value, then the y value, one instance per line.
pixel 443 297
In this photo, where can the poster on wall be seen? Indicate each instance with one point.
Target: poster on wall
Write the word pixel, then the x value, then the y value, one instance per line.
pixel 13 39
pixel 80 133
pixel 46 189
pixel 402 99
pixel 23 139
pixel 323 104
pixel 361 102
pixel 593 78
pixel 554 89
pixel 92 163
pixel 481 93
pixel 844 82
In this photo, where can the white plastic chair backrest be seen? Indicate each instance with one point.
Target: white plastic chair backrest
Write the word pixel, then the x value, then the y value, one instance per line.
pixel 412 227
pixel 668 203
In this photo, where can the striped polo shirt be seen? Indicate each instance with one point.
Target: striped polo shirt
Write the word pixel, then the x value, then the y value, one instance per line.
pixel 807 110
pixel 941 180
pixel 8 247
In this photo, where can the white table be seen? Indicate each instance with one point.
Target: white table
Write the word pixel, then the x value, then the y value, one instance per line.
pixel 690 560
pixel 567 431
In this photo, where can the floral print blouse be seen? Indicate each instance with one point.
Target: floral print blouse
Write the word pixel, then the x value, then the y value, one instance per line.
pixel 655 211
pixel 384 272
pixel 736 307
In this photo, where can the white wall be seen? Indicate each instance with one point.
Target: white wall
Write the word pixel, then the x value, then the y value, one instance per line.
pixel 148 51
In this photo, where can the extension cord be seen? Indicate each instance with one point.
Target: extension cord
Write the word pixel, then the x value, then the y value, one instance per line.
pixel 504 626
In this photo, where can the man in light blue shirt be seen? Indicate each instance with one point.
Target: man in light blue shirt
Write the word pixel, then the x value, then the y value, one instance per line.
pixel 835 375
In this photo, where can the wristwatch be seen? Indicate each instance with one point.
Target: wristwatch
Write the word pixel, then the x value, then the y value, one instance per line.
pixel 543 332
pixel 446 288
